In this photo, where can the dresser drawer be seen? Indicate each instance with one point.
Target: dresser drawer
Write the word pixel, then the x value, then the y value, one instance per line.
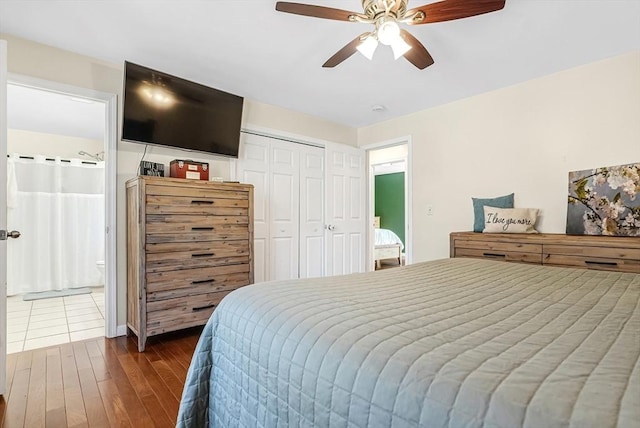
pixel 190 205
pixel 500 247
pixel 495 254
pixel 591 262
pixel 600 252
pixel 219 283
pixel 175 314
pixel 201 254
pixel 196 192
pixel 199 262
pixel 589 257
pixel 166 223
pixel 201 233
pixel 228 247
pixel 175 279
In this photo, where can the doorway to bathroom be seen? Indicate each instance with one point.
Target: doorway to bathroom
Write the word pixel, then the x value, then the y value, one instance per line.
pixel 56 144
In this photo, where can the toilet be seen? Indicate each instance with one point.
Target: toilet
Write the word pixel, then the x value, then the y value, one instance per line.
pixel 100 266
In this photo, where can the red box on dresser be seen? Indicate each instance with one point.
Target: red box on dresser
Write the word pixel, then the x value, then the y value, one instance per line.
pixel 189 169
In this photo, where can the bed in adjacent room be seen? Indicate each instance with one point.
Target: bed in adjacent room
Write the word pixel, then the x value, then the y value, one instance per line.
pixel 388 244
pixel 448 343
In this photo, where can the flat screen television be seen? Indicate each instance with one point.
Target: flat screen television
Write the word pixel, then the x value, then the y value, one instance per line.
pixel 165 110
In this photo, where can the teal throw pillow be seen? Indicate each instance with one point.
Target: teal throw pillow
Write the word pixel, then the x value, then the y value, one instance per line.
pixel 505 201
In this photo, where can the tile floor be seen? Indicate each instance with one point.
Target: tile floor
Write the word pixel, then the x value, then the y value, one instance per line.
pixel 47 322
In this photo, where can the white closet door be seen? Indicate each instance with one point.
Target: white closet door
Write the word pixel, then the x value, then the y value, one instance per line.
pixel 311 212
pixel 253 168
pixel 345 215
pixel 284 209
pixel 299 189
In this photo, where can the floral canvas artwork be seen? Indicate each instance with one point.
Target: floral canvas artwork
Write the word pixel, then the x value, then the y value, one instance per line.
pixel 605 201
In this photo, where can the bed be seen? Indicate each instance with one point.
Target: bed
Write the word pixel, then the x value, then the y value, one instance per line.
pixel 449 343
pixel 388 245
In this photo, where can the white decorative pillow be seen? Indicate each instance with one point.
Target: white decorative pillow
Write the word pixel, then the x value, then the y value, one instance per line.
pixel 510 220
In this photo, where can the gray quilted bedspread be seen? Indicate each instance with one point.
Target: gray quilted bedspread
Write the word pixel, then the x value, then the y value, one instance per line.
pixel 450 343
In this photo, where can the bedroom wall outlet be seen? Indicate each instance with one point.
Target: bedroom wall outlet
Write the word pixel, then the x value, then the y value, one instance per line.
pixel 429 209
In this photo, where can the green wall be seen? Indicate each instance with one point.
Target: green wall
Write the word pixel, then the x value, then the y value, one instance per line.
pixel 389 202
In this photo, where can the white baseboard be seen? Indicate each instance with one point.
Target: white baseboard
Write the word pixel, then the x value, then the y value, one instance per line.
pixel 121 330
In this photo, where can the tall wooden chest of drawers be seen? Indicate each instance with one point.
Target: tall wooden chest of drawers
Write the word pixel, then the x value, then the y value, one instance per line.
pixel 189 243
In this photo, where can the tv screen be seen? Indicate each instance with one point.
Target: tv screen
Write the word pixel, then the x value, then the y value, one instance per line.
pixel 169 111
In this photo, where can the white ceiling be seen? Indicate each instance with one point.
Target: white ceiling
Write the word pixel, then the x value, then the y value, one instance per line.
pixel 246 47
pixel 37 110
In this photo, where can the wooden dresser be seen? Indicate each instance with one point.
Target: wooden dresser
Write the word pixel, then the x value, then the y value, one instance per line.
pixel 621 254
pixel 189 243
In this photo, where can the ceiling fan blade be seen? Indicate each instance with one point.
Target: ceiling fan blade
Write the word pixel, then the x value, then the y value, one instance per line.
pixel 314 11
pixel 448 10
pixel 418 54
pixel 345 52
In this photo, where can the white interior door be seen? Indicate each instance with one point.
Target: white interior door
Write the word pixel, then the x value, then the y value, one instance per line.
pixel 311 212
pixel 253 168
pixel 345 210
pixel 284 209
pixel 3 217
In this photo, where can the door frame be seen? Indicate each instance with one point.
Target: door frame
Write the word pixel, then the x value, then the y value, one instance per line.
pixel 408 199
pixel 3 225
pixel 111 158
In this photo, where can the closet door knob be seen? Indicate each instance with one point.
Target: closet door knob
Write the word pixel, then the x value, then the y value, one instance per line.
pixel 4 235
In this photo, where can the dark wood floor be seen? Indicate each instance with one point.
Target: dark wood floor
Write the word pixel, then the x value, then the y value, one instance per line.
pixel 98 383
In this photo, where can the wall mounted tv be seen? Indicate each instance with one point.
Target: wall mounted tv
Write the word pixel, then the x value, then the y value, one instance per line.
pixel 169 111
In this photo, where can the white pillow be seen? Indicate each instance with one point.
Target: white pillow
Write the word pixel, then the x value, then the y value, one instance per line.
pixel 510 220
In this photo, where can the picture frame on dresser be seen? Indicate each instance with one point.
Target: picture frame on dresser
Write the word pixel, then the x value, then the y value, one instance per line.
pixel 604 201
pixel 189 244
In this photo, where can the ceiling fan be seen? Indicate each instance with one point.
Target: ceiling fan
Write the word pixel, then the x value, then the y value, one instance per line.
pixel 385 15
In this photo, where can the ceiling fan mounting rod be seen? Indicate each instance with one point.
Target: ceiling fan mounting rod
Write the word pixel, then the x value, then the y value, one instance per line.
pixel 374 9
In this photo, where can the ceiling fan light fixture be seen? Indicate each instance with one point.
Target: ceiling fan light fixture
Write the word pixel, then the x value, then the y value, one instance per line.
pixel 400 47
pixel 388 31
pixel 368 47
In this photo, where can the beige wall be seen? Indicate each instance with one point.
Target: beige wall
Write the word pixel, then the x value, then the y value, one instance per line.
pixel 44 62
pixel 277 118
pixel 523 139
pixel 39 143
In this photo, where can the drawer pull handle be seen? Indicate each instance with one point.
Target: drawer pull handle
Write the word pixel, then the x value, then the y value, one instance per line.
pixel 494 255
pixel 203 281
pixel 590 262
pixel 203 255
pixel 202 228
pixel 195 201
pixel 202 308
